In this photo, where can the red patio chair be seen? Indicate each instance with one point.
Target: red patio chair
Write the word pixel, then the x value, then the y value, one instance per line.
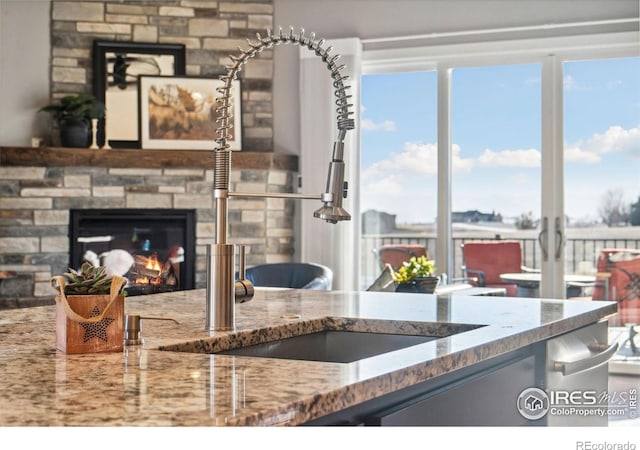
pixel 618 279
pixel 486 260
pixel 396 254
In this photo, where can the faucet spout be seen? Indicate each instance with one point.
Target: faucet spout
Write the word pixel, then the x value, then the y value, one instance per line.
pixel 222 289
pixel 336 190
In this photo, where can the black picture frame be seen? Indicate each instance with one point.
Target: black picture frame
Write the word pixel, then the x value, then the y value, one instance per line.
pixel 108 53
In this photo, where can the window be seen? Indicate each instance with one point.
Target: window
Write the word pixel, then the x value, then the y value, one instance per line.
pixel 497 110
pixel 398 188
pixel 601 158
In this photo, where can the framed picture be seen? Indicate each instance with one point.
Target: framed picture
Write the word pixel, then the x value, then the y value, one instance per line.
pixel 116 68
pixel 180 113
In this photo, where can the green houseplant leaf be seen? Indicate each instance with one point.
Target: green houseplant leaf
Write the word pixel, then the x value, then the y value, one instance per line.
pixel 80 105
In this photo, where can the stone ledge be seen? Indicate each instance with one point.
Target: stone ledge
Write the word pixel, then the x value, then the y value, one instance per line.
pixel 138 158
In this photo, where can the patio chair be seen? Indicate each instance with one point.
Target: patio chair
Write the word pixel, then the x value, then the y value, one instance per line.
pixel 396 254
pixel 618 279
pixel 486 260
pixel 291 275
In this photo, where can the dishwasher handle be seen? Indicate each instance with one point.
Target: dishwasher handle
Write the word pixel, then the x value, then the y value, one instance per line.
pixel 570 368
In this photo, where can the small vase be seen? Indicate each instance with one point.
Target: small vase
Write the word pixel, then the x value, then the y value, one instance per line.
pixel 105 135
pixel 75 132
pixel 94 134
pixel 422 285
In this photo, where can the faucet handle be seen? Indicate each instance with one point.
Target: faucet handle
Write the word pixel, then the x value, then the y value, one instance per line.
pixel 243 288
pixel 242 250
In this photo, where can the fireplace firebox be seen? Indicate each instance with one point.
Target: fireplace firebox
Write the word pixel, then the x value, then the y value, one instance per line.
pixel 153 248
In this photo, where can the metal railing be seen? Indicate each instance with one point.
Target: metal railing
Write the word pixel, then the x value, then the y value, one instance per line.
pixel 576 250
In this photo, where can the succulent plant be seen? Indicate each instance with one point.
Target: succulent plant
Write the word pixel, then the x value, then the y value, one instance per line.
pixel 89 280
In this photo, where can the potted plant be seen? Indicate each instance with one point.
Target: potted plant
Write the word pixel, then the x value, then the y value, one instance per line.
pixel 89 310
pixel 416 275
pixel 73 115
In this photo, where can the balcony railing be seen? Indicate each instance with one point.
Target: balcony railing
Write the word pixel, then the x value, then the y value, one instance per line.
pixel 576 251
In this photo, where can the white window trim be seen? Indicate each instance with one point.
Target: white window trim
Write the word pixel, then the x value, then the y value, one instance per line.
pixel 610 45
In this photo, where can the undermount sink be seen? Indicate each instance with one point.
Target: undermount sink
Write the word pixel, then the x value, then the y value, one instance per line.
pixel 330 346
pixel 328 339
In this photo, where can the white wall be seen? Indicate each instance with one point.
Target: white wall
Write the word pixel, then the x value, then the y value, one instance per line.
pixel 24 69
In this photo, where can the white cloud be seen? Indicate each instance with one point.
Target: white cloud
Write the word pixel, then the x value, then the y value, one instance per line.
pixel 460 164
pixel 614 140
pixel 576 154
pixel 370 125
pixel 388 185
pixel 571 84
pixel 510 158
pixel 416 159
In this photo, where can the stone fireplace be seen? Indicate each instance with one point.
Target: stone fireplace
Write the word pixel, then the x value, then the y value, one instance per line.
pixel 40 187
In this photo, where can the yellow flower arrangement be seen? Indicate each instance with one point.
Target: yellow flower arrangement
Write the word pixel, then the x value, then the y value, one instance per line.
pixel 416 267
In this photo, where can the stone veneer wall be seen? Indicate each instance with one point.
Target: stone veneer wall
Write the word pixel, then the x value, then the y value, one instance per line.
pixel 210 31
pixel 35 203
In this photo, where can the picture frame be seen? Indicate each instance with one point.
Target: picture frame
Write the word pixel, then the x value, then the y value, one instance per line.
pixel 180 113
pixel 118 89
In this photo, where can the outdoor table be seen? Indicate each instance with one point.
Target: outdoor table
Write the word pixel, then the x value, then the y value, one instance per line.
pixel 528 283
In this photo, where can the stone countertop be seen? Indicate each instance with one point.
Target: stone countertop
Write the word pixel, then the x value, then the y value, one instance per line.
pixel 144 386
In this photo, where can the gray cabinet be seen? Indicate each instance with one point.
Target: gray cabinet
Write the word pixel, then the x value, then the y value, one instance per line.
pixel 485 394
pixel 488 399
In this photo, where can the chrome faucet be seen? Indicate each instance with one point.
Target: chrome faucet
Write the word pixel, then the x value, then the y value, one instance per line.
pixel 223 291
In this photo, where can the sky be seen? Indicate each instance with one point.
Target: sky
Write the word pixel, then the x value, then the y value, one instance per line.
pixel 496 123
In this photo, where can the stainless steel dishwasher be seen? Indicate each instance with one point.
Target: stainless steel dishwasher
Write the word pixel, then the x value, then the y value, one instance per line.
pixel 577 377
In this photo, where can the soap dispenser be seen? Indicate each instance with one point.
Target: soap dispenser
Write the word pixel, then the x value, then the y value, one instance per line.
pixel 132 331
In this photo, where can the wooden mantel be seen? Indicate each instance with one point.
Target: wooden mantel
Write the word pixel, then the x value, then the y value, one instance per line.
pixel 134 158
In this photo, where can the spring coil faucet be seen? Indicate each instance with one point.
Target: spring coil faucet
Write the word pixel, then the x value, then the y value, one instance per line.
pixel 223 291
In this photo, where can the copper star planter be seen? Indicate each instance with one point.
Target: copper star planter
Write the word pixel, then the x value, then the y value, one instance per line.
pixel 90 323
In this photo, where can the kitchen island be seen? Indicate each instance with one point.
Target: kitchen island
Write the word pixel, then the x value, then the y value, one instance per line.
pixel 147 386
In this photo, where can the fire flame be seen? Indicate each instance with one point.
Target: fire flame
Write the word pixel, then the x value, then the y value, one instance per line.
pixel 152 263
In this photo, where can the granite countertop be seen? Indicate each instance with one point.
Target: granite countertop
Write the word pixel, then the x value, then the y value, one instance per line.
pixel 144 386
